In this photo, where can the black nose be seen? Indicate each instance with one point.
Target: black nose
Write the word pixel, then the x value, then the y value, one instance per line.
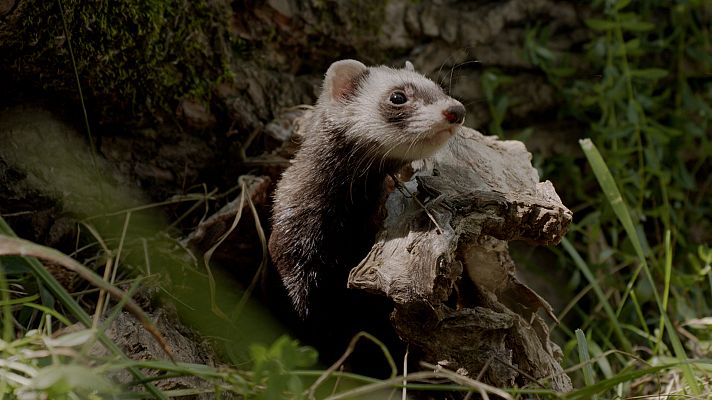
pixel 455 114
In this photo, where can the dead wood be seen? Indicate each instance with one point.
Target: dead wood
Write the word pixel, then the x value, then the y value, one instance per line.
pixel 442 257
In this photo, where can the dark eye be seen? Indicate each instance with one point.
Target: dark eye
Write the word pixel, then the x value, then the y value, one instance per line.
pixel 398 98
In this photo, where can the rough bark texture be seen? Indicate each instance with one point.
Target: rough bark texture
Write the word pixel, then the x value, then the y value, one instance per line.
pixel 135 341
pixel 442 258
pixel 130 336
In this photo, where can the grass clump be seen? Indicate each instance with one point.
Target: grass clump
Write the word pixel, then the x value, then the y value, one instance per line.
pixel 641 195
pixel 638 251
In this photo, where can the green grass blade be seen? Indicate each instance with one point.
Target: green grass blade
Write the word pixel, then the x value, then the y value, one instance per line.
pixel 585 358
pixel 66 299
pixel 610 189
pixel 61 318
pixel 625 376
pixel 641 318
pixel 7 331
pixel 581 264
pixel 668 274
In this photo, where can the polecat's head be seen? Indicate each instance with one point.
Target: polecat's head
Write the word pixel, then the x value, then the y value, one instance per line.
pixel 398 113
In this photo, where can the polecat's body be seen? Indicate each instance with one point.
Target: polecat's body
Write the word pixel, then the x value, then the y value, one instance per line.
pixel 367 123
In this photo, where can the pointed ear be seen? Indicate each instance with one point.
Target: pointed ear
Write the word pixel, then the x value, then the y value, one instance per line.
pixel 342 78
pixel 409 66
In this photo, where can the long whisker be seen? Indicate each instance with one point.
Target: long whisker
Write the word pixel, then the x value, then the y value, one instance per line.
pixel 440 70
pixel 414 141
pixel 371 159
pixel 383 157
pixel 449 89
pixel 357 170
pixel 368 155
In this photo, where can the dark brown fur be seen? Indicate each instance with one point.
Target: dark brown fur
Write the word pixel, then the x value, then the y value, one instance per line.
pixel 327 235
pixel 328 206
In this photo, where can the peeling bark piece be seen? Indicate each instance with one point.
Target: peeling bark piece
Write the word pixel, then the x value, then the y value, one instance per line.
pixel 442 257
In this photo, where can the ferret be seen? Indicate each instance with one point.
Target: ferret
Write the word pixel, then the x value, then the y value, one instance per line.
pixel 368 123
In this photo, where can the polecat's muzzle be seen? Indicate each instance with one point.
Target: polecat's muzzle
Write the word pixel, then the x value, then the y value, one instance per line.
pixel 455 114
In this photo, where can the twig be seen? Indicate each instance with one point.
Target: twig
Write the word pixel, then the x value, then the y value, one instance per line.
pixel 21 247
pixel 481 387
pixel 347 353
pixel 404 190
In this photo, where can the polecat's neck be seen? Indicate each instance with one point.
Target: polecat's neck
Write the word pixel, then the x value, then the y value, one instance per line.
pixel 326 218
pixel 354 176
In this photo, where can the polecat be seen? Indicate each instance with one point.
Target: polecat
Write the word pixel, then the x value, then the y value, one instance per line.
pixel 367 123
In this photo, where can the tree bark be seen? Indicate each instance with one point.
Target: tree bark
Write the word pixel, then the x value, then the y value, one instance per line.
pixel 442 257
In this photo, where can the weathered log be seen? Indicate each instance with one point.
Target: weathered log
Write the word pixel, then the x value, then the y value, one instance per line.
pixel 442 257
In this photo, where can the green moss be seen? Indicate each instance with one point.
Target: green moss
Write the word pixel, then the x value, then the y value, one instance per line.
pixel 132 56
